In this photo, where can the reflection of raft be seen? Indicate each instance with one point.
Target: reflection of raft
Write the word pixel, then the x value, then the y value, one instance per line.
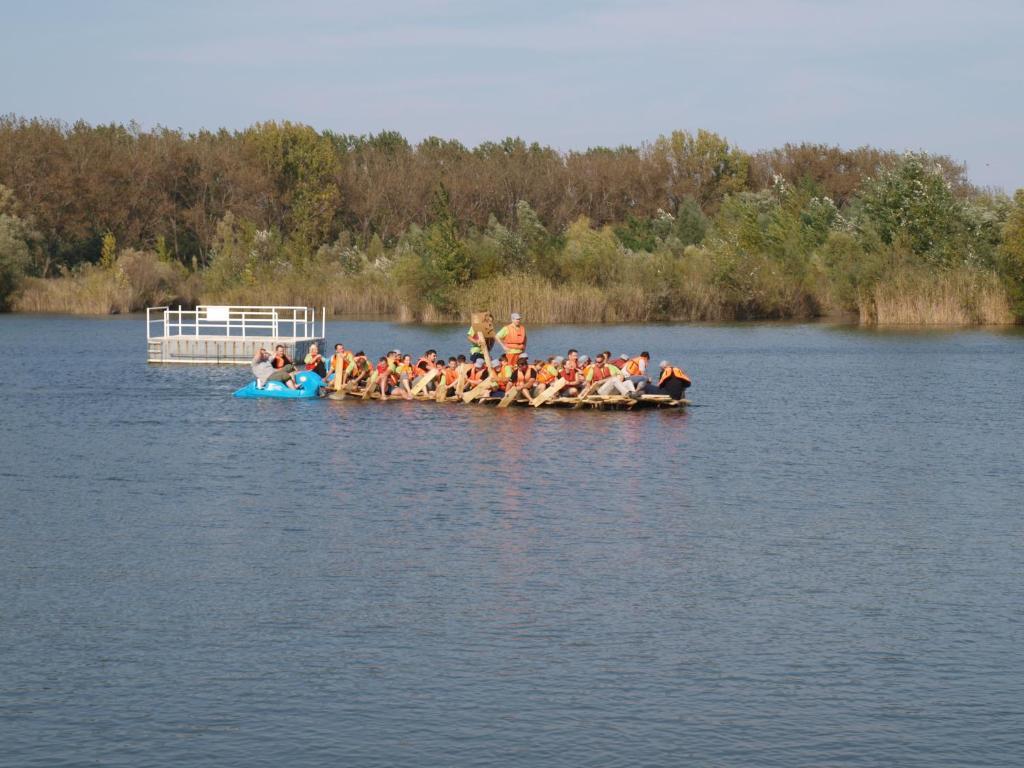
pixel 309 386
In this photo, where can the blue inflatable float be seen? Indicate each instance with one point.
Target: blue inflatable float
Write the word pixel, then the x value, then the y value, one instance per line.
pixel 308 381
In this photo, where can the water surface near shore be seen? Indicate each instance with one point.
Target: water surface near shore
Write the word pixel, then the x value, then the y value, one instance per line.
pixel 821 562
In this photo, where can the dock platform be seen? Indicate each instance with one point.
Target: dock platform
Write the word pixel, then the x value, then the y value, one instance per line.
pixel 229 335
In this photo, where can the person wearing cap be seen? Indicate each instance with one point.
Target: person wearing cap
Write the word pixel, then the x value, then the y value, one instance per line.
pixel 513 338
pixel 673 382
pixel 635 370
pixel 477 373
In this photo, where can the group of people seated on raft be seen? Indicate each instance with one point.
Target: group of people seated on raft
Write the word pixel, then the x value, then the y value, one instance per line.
pixel 397 376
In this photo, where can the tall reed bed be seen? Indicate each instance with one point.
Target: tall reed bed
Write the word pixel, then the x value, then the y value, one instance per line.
pixel 959 297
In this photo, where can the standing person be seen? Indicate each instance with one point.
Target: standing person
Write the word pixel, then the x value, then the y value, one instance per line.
pixel 673 382
pixel 513 338
pixel 476 350
pixel 315 361
pixel 264 371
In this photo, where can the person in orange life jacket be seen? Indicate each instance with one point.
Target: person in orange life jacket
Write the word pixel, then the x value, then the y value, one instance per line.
pixel 386 373
pixel 263 371
pixel 360 367
pixel 547 373
pixel 339 364
pixel 572 373
pixel 281 360
pixel 403 372
pixel 513 338
pixel 635 369
pixel 450 375
pixel 502 373
pixel 673 382
pixel 314 361
pixel 477 373
pixel 523 376
pixel 425 365
pixel 610 378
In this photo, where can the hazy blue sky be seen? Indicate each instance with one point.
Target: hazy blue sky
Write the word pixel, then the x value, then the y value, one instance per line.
pixel 940 76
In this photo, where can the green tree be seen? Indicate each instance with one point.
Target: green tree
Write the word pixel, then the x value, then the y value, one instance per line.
pixel 913 205
pixel 15 254
pixel 108 251
pixel 446 251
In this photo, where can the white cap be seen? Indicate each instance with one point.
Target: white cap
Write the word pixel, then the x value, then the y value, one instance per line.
pixel 663 364
pixel 516 316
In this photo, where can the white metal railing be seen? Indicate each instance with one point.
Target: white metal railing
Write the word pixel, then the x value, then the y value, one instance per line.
pixel 235 322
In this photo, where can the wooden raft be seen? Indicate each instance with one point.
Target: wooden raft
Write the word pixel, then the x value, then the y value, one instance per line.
pixel 594 402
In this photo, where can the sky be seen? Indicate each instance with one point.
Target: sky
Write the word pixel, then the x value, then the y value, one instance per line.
pixel 943 77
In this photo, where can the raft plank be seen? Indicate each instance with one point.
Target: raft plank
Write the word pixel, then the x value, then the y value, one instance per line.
pixel 549 393
pixel 370 385
pixel 510 397
pixel 478 391
pixel 424 382
pixel 583 395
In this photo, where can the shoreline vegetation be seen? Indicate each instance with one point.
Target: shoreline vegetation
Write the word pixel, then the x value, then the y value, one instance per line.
pixel 110 219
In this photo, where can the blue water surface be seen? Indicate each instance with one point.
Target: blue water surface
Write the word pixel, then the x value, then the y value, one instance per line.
pixel 819 563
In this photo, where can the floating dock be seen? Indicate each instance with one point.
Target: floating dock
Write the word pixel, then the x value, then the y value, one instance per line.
pixel 212 335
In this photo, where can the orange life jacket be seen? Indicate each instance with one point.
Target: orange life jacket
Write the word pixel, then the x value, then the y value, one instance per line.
pixel 632 367
pixel 546 374
pixel 671 372
pixel 425 365
pixel 601 372
pixel 515 337
pixel 451 375
pixel 475 375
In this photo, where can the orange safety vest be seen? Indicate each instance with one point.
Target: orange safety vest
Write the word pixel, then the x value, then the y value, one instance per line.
pixel 451 375
pixel 671 372
pixel 632 367
pixel 601 372
pixel 546 374
pixel 476 375
pixel 515 338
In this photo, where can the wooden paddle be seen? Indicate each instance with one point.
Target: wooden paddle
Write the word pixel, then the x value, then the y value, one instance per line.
pixel 425 379
pixel 549 393
pixel 510 396
pixel 479 390
pixel 371 384
pixel 460 385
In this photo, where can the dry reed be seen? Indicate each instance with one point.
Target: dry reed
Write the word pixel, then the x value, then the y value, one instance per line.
pixel 959 297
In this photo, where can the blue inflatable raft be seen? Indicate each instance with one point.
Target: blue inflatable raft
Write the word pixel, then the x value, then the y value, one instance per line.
pixel 308 381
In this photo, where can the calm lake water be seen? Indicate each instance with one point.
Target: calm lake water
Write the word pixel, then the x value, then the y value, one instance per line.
pixel 820 563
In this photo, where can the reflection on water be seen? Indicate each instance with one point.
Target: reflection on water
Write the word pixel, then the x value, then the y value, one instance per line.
pixel 818 563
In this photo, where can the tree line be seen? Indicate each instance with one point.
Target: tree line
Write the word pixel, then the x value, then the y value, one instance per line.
pixel 762 233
